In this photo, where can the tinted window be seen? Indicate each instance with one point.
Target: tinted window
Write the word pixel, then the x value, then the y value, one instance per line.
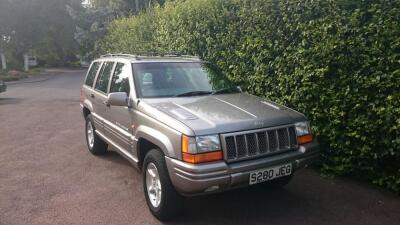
pixel 92 73
pixel 120 80
pixel 104 77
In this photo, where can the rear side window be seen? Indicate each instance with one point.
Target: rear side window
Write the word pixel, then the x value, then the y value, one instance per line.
pixel 104 77
pixel 92 73
pixel 120 80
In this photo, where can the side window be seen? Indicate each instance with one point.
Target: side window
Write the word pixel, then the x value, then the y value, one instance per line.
pixel 120 80
pixel 104 77
pixel 92 73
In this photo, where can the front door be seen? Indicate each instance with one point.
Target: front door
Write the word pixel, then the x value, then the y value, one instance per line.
pixel 118 119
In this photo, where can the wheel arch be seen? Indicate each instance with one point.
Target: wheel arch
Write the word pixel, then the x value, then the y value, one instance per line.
pixel 85 112
pixel 87 107
pixel 148 139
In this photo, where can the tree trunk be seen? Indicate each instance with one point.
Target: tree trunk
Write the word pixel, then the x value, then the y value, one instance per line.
pixel 137 6
pixel 26 62
pixel 3 61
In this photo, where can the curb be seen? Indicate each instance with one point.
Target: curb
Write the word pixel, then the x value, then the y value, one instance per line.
pixel 51 74
pixel 24 81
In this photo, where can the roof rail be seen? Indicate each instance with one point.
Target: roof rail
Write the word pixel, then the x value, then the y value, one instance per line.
pixel 117 55
pixel 137 55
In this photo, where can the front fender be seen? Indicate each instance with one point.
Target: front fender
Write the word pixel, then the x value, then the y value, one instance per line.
pixel 87 104
pixel 158 138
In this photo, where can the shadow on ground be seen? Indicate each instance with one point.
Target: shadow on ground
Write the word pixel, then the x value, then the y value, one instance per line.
pixel 307 199
pixel 115 157
pixel 250 205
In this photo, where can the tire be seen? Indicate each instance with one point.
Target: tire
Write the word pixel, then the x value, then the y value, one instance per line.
pixel 278 182
pixel 170 204
pixel 95 144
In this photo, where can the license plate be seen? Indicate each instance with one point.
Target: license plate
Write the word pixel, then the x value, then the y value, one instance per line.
pixel 270 173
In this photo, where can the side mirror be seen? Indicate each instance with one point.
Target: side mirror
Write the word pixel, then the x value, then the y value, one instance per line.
pixel 117 99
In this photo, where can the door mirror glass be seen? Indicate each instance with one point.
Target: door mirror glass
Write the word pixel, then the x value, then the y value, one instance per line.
pixel 117 99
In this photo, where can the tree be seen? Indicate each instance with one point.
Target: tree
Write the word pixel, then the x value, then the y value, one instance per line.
pixel 91 25
pixel 58 30
pixel 125 6
pixel 93 18
pixel 41 26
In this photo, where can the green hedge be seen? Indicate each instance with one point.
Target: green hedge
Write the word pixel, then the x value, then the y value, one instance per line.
pixel 337 61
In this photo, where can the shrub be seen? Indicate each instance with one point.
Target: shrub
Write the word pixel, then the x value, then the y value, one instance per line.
pixel 337 61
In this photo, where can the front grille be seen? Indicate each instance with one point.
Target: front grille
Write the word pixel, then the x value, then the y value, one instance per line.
pixel 243 145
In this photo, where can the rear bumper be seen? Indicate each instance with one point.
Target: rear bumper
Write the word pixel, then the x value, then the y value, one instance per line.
pixel 190 179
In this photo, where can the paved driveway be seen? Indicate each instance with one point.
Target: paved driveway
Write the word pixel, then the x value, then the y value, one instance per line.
pixel 47 176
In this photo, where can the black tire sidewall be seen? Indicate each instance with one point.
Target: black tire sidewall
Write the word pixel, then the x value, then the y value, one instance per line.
pixel 99 146
pixel 89 119
pixel 169 197
pixel 151 159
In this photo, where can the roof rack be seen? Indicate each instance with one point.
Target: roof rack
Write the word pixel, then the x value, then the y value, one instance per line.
pixel 117 55
pixel 138 55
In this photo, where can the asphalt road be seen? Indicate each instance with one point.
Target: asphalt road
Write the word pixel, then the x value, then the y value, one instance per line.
pixel 47 176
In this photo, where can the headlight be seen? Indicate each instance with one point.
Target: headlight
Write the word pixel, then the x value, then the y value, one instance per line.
pixel 302 128
pixel 208 143
pixel 303 132
pixel 201 149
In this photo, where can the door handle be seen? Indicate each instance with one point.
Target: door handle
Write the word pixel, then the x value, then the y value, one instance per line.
pixel 92 95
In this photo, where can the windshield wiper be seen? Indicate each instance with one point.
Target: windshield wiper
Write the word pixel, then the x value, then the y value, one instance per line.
pixel 194 93
pixel 227 90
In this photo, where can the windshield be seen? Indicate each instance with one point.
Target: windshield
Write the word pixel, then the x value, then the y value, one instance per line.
pixel 170 79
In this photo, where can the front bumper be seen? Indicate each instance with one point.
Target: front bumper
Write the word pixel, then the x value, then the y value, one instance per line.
pixel 192 179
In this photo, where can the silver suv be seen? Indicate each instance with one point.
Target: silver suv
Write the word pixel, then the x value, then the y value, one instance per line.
pixel 188 129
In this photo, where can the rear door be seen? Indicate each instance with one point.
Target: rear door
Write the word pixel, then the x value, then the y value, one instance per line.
pixel 87 90
pixel 99 95
pixel 118 121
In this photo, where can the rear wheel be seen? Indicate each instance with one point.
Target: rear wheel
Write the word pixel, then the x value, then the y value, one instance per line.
pixel 95 144
pixel 162 199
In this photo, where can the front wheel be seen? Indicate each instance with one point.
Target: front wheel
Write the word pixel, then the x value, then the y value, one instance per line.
pixel 161 197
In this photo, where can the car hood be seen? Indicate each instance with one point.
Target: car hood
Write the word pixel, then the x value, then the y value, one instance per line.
pixel 225 113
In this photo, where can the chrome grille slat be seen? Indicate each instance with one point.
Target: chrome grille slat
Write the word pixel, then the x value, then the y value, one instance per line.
pixel 256 143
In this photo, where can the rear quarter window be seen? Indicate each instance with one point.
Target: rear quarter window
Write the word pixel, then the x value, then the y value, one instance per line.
pixel 92 74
